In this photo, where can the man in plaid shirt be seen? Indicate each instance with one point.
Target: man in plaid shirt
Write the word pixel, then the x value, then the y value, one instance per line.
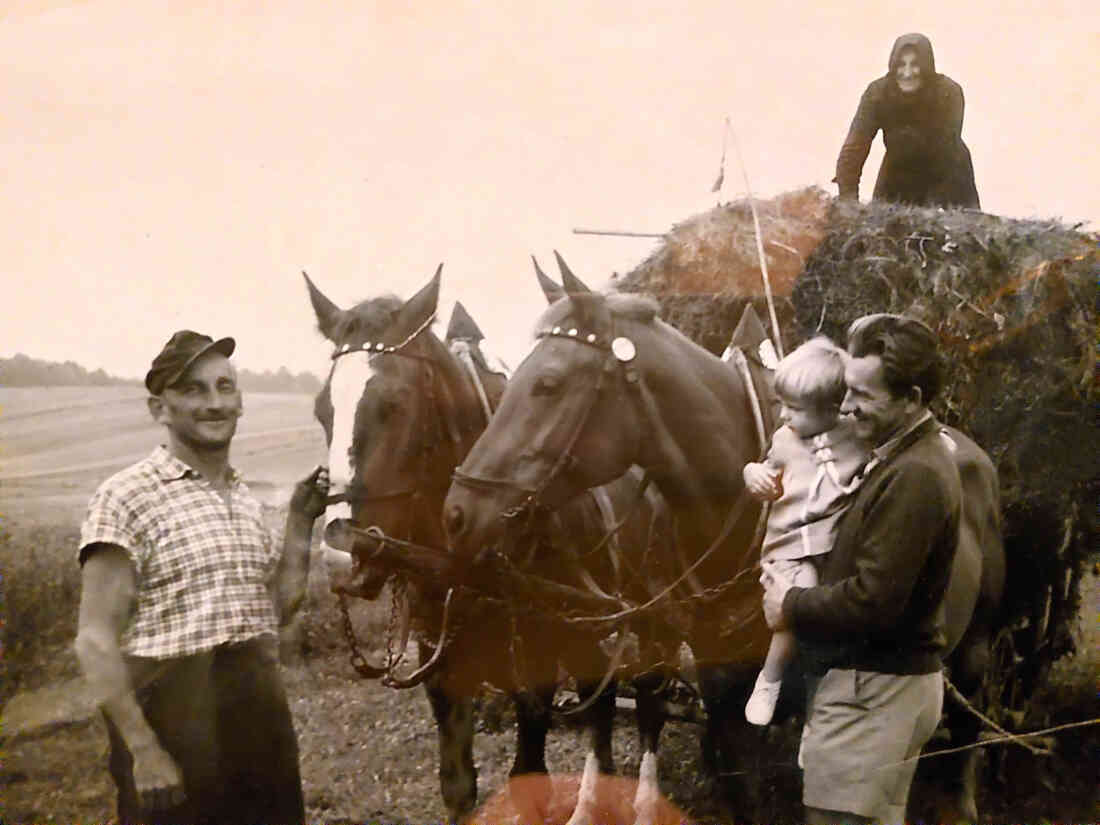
pixel 183 592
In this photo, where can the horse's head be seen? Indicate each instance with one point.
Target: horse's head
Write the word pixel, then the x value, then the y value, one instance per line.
pixel 393 424
pixel 569 419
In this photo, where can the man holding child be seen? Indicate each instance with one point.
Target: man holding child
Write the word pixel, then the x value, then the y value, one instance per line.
pixel 871 634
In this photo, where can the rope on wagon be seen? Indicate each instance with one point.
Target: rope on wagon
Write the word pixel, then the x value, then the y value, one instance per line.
pixel 1010 737
pixel 1005 735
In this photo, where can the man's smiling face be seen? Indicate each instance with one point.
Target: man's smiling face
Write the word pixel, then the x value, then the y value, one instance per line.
pixel 201 409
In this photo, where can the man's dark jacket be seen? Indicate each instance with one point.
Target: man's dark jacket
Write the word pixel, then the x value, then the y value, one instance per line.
pixel 880 603
pixel 926 161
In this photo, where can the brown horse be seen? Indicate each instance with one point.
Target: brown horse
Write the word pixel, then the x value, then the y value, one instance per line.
pixel 400 410
pixel 609 385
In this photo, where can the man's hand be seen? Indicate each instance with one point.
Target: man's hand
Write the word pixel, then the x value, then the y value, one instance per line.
pixel 776 586
pixel 310 494
pixel 157 778
pixel 763 481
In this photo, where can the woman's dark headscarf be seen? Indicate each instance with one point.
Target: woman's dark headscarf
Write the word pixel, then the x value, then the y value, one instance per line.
pixel 926 60
pixel 921 45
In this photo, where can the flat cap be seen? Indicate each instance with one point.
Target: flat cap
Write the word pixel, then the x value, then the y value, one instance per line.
pixel 181 351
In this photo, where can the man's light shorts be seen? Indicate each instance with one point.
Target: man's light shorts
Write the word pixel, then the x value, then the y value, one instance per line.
pixel 863 733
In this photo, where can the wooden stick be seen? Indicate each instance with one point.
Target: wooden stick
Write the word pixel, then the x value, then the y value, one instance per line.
pixel 622 234
pixel 759 243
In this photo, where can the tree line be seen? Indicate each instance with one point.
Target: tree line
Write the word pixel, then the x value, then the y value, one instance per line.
pixel 24 371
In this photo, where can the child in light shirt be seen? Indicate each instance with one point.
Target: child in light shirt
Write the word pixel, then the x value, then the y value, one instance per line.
pixel 812 468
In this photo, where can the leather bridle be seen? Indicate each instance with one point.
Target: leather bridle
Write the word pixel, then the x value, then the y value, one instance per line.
pixel 532 506
pixel 413 493
pixel 352 495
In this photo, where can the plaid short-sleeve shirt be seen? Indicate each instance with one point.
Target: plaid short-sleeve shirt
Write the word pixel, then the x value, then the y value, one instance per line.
pixel 202 563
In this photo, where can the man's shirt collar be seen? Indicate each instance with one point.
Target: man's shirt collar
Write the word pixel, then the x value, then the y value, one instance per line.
pixel 885 452
pixel 170 468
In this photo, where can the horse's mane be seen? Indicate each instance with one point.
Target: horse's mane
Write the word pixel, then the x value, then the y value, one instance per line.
pixel 622 305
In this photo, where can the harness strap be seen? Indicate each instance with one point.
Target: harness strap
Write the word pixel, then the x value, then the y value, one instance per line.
pixel 612 667
pixel 731 521
pixel 566 459
pixel 607 510
pixel 462 350
pixel 742 364
pixel 603 501
pixel 483 483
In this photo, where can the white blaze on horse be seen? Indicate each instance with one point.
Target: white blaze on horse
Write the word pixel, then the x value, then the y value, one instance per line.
pixel 609 385
pixel 400 409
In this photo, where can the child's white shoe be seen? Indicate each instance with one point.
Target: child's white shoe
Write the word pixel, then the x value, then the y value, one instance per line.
pixel 761 705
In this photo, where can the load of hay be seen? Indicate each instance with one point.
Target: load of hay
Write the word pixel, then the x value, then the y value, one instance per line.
pixel 707 268
pixel 1014 303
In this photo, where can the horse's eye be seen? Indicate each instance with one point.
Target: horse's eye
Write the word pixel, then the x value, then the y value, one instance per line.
pixel 546 385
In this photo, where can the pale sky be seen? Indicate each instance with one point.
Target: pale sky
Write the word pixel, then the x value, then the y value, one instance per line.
pixel 177 164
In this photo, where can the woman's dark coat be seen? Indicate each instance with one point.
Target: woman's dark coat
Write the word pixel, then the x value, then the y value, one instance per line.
pixel 926 161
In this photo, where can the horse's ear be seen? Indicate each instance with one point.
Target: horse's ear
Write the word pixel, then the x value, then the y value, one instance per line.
pixel 550 289
pixel 591 308
pixel 573 285
pixel 328 314
pixel 419 309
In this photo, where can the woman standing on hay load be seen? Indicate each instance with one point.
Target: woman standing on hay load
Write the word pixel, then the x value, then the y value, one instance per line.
pixel 920 113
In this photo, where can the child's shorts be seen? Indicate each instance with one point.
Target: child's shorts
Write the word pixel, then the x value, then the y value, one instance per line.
pixel 802 572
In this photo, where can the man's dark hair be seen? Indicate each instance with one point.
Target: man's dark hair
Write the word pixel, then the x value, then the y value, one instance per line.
pixel 908 348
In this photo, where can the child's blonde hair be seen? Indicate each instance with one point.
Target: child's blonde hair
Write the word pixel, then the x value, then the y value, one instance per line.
pixel 813 373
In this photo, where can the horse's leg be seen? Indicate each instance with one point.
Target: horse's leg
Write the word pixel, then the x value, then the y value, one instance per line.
pixel 582 657
pixel 454 719
pixel 533 709
pixel 969 664
pixel 599 719
pixel 724 689
pixel 533 714
pixel 651 720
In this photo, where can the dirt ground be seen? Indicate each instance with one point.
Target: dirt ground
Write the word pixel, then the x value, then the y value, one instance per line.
pixel 368 754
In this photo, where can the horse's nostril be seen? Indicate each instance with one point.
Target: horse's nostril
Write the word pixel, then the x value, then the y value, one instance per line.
pixel 456 520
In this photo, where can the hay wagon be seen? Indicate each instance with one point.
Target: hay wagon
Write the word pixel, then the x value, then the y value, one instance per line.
pixel 1014 303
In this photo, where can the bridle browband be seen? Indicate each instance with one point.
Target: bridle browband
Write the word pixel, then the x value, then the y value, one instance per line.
pixel 380 348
